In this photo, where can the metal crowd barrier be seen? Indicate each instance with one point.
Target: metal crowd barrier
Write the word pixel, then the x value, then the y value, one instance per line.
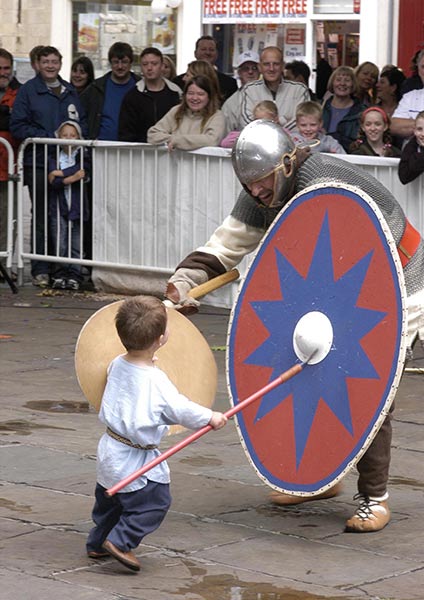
pixel 151 207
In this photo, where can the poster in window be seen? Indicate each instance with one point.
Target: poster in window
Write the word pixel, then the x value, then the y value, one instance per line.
pixel 88 32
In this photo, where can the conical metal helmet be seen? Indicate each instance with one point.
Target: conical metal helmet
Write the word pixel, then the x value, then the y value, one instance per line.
pixel 263 148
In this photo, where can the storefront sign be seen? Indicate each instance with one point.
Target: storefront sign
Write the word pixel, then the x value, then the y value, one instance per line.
pixel 225 11
pixel 294 43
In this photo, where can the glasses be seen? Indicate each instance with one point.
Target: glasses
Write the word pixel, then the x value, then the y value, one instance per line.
pixel 120 61
pixel 253 68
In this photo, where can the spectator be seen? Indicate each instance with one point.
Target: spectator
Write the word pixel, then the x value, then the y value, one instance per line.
pixel 103 98
pixel 403 120
pixel 66 170
pixel 33 57
pixel 286 94
pixel 374 137
pixel 266 109
pixel 195 123
pixel 150 100
pixel 411 163
pixel 309 130
pixel 9 86
pixel 342 109
pixel 298 70
pixel 202 67
pixel 168 68
pixel 323 74
pixel 416 81
pixel 388 89
pixel 366 78
pixel 247 70
pixel 82 73
pixel 206 49
pixel 41 105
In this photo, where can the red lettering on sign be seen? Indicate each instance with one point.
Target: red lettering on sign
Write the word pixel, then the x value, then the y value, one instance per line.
pixel 244 7
pixel 216 7
pixel 294 7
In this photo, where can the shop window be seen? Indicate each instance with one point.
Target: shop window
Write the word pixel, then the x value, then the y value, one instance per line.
pixel 98 25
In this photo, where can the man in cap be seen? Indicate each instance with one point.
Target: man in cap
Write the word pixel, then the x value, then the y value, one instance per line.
pixel 247 70
pixel 286 94
pixel 272 171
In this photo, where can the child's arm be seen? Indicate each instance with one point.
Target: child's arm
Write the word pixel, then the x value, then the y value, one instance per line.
pixel 53 174
pixel 218 420
pixel 77 176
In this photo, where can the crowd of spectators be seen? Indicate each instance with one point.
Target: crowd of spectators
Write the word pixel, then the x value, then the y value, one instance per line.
pixel 364 111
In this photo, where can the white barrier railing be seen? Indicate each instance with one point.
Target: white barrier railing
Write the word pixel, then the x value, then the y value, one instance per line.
pixel 151 208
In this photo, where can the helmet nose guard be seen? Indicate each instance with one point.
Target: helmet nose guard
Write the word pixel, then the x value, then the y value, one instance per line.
pixel 263 148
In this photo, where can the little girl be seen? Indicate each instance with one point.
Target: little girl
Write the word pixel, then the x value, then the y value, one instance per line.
pixel 68 205
pixel 374 137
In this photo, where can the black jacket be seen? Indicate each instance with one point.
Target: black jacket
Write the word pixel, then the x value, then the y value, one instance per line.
pixel 411 163
pixel 142 108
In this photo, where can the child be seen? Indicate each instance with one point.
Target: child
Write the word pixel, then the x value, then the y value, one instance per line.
pixel 374 137
pixel 266 109
pixel 309 128
pixel 411 163
pixel 66 169
pixel 138 405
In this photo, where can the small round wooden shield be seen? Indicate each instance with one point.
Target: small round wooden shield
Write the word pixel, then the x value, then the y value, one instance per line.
pixel 186 358
pixel 329 253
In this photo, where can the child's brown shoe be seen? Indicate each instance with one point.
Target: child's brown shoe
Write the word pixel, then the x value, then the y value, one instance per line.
pixel 126 558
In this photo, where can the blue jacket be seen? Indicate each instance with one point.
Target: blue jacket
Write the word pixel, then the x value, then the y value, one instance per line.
pixel 348 128
pixel 57 188
pixel 38 112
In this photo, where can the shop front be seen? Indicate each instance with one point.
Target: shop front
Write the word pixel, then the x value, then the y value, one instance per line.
pixel 306 30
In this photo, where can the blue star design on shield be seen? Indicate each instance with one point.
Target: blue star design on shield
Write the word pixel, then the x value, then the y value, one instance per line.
pixel 327 380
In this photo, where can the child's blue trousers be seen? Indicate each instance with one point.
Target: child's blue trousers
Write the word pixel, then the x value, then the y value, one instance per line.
pixel 125 518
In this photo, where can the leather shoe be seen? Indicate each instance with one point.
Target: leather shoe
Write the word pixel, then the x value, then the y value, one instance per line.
pixel 126 558
pixel 289 500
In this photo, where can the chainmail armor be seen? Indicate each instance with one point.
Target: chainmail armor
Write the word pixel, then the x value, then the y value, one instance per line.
pixel 327 170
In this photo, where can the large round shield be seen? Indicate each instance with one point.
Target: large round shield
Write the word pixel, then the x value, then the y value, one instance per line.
pixel 329 252
pixel 186 358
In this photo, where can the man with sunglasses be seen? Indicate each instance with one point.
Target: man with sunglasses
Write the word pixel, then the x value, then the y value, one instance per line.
pixel 102 99
pixel 247 70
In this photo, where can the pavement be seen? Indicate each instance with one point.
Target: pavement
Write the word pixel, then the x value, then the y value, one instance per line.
pixel 222 539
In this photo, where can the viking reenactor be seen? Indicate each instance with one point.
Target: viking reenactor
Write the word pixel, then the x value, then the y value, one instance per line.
pixel 272 171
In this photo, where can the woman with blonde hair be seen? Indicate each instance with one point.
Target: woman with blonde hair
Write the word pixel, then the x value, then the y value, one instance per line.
pixel 341 111
pixel 168 68
pixel 366 77
pixel 195 123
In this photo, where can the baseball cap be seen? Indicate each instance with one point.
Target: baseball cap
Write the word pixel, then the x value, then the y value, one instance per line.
pixel 248 56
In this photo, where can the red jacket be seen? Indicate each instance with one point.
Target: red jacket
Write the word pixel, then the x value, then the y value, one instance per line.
pixel 6 104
